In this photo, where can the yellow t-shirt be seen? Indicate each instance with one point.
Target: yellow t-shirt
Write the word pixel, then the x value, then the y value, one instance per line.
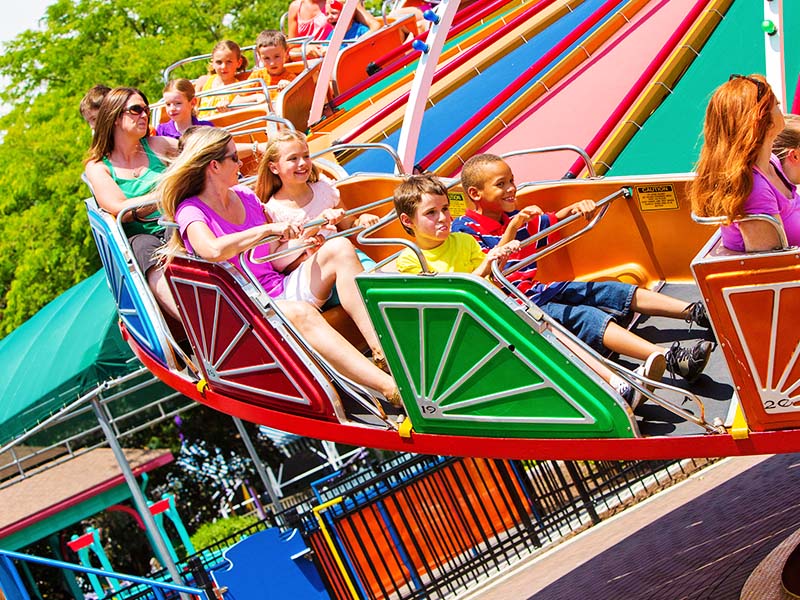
pixel 459 253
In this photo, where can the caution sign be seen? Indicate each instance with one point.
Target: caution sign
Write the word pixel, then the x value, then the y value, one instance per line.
pixel 458 205
pixel 657 197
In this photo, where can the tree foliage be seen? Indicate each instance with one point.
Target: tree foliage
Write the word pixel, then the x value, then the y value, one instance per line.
pixel 45 241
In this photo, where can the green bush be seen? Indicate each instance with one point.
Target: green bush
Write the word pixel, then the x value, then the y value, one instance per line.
pixel 216 531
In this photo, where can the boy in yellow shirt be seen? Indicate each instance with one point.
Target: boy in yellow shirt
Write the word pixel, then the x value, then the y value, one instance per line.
pixel 424 211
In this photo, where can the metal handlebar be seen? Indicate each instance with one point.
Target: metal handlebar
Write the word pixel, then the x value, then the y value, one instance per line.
pixel 363 238
pixel 583 154
pixel 772 220
pixel 315 223
pixel 137 205
pixel 603 206
pixel 336 147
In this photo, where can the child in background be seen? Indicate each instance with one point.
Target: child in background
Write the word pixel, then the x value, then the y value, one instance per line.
pixel 179 104
pixel 273 51
pixel 424 211
pixel 786 148
pixel 363 22
pixel 90 103
pixel 227 66
pixel 294 193
pixel 587 309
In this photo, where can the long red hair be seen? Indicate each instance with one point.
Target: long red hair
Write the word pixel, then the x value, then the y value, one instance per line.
pixel 735 129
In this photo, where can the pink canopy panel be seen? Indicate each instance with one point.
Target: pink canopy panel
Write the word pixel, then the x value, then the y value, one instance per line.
pixel 576 109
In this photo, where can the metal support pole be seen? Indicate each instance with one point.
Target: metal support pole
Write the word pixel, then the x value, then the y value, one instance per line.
pixel 138 496
pixel 262 472
pixel 773 42
pixel 420 87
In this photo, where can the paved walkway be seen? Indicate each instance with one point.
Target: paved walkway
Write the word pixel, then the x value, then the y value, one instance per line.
pixel 700 539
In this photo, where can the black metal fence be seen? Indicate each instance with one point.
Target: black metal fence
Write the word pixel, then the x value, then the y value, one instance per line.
pixel 433 527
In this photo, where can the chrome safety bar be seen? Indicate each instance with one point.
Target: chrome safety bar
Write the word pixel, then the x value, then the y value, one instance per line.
pixel 602 207
pixel 311 224
pixel 772 220
pixel 569 147
pixel 363 238
pixel 366 146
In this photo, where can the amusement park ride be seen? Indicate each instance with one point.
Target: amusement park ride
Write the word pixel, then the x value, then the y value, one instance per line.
pixel 481 370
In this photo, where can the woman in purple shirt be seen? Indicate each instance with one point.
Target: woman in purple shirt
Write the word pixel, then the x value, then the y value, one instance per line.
pixel 737 174
pixel 219 219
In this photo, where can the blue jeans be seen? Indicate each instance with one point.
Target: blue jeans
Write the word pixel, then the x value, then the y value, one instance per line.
pixel 586 308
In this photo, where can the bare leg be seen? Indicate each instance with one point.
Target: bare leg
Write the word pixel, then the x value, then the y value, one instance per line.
pixel 648 302
pixel 620 340
pixel 335 349
pixel 595 365
pixel 336 263
pixel 158 285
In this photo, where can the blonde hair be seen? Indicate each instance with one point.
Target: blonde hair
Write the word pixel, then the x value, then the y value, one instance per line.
pixel 186 176
pixel 233 47
pixel 789 138
pixel 738 118
pixel 268 182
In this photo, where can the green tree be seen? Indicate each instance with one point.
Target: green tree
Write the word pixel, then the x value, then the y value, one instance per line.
pixel 45 241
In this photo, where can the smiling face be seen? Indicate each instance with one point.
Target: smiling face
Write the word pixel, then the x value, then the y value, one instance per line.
pixel 178 108
pixel 431 221
pixel 273 59
pixel 498 193
pixel 294 164
pixel 225 63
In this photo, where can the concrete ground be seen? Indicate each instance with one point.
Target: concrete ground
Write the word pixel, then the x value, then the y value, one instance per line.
pixel 700 539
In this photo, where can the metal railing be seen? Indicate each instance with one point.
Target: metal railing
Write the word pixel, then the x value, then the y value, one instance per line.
pixel 433 527
pixel 12 584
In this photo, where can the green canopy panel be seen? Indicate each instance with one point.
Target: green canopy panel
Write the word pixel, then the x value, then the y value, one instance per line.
pixel 64 351
pixel 670 140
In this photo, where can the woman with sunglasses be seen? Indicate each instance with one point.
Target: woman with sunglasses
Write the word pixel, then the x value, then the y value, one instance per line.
pixel 737 174
pixel 123 167
pixel 218 219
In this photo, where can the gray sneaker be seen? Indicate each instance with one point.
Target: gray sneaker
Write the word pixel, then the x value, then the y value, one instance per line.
pixel 696 315
pixel 688 362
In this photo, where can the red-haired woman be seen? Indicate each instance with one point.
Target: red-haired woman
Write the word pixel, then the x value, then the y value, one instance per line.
pixel 737 174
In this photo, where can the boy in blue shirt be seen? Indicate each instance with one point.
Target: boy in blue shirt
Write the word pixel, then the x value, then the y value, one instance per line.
pixel 587 309
pixel 423 209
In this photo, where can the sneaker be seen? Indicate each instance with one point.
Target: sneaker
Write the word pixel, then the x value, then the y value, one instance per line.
pixel 653 368
pixel 696 314
pixel 688 363
pixel 627 392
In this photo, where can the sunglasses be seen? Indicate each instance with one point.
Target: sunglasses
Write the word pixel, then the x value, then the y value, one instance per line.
pixel 761 87
pixel 234 156
pixel 137 109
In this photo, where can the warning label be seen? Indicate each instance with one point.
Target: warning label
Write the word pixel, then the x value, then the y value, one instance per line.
pixel 458 205
pixel 657 197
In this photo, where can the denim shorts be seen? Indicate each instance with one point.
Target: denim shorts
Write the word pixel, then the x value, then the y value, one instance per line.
pixel 586 308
